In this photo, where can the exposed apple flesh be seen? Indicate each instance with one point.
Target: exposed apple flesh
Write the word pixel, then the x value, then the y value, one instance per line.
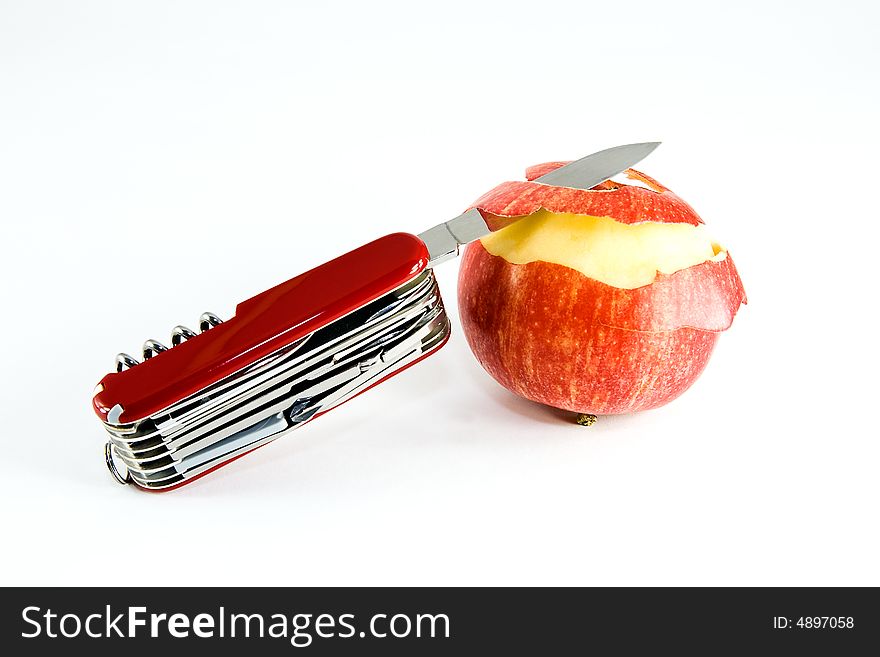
pixel 603 313
pixel 622 255
pixel 550 334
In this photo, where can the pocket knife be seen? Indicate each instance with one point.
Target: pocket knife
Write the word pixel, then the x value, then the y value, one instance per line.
pixel 295 351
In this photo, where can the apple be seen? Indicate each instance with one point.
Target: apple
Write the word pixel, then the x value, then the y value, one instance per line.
pixel 599 301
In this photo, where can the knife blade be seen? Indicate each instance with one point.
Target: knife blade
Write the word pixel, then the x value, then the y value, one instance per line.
pixel 444 240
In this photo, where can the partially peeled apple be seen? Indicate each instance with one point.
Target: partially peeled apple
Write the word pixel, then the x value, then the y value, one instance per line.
pixel 599 301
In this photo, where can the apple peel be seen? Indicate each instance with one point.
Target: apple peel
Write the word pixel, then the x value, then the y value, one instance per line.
pixel 628 204
pixel 704 296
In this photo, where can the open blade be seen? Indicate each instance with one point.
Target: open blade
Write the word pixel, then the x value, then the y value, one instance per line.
pixel 593 169
pixel 444 240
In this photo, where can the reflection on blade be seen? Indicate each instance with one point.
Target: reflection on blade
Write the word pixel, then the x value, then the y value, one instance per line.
pixel 591 170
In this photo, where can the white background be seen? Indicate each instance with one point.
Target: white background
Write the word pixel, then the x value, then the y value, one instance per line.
pixel 162 159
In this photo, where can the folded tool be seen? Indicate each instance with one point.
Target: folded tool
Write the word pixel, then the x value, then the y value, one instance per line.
pixel 295 351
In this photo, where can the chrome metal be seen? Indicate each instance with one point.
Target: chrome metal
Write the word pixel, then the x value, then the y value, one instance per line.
pixel 124 361
pixel 111 465
pixel 152 348
pixel 591 170
pixel 444 240
pixel 285 389
pixel 208 321
pixel 181 333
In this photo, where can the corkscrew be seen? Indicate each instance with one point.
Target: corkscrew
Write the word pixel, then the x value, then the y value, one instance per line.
pixel 295 351
pixel 178 334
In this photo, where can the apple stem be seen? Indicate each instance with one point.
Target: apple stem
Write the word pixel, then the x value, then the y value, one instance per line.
pixel 586 419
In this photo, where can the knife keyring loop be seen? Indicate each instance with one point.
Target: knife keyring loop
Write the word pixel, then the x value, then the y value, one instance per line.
pixel 111 465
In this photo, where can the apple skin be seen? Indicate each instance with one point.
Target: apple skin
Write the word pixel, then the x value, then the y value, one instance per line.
pixel 628 204
pixel 540 334
pixel 551 334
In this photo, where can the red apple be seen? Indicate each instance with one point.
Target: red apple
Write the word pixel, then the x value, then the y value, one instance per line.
pixel 600 301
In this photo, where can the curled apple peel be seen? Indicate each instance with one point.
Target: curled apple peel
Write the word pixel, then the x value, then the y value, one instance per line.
pixel 626 203
pixel 600 301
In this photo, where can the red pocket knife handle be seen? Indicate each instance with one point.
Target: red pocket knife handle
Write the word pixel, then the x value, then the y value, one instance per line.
pixel 262 325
